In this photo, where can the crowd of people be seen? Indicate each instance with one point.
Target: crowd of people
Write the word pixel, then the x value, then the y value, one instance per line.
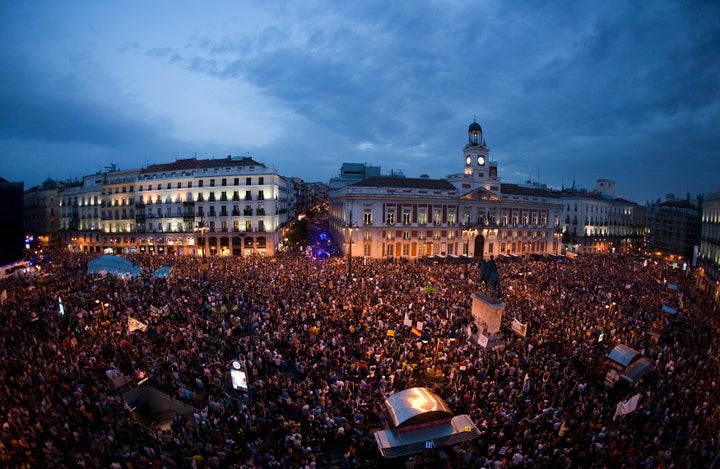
pixel 323 347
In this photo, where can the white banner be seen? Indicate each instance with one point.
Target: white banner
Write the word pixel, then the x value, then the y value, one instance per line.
pixel 483 340
pixel 135 325
pixel 519 327
pixel 625 407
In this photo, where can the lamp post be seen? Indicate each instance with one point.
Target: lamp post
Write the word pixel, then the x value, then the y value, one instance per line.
pixel 467 232
pixel 201 228
pixel 350 228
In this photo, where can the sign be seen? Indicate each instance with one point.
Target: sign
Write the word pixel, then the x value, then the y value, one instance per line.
pixel 519 327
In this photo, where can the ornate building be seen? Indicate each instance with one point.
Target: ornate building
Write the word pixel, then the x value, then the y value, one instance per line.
pixel 229 206
pixel 470 213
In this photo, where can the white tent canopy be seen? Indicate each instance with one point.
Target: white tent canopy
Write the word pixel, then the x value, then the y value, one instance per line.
pixel 113 265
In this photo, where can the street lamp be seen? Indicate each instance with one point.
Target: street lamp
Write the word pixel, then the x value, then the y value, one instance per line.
pixel 467 232
pixel 350 228
pixel 201 228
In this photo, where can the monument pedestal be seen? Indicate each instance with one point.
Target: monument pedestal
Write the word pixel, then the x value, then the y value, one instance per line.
pixel 487 312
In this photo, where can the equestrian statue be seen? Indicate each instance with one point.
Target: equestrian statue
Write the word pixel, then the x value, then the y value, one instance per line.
pixel 489 276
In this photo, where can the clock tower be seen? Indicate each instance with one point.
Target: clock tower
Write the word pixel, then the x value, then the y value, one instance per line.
pixel 478 170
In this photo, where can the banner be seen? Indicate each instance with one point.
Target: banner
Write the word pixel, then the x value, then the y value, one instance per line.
pixel 483 340
pixel 135 325
pixel 625 407
pixel 519 327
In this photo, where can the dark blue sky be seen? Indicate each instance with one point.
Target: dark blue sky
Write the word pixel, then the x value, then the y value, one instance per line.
pixel 564 91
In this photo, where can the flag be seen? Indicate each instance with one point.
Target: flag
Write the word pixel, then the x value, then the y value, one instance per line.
pixel 391 333
pixel 519 327
pixel 625 407
pixel 135 325
pixel 416 331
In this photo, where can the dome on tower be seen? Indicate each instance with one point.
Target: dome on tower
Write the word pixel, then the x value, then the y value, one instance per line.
pixel 475 134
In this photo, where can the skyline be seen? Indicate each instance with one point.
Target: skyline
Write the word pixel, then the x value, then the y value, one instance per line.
pixel 574 93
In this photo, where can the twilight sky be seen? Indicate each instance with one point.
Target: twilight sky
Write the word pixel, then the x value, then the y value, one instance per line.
pixel 565 91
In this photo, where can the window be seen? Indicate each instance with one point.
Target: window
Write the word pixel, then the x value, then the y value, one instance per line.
pixel 436 235
pixel 212 182
pixel 367 216
pixel 390 235
pixel 436 216
pixel 406 216
pixel 169 185
pixel 261 180
pixel 179 185
pixel 223 182
pixel 390 220
pixel 248 181
pixel 200 183
pixel 236 182
pixel 367 236
pixel 189 184
pixel 451 218
pixel 422 217
pixel 261 195
pixel 248 225
pixel 367 250
pixel 261 225
pixel 248 195
pixel 405 235
pixel 406 249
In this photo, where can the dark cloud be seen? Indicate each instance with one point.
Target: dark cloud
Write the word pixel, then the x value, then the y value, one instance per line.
pixel 573 90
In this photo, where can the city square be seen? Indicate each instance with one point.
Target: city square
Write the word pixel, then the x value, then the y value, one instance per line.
pixel 323 350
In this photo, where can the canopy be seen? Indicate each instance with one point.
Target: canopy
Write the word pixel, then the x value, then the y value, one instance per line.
pixel 113 265
pixel 623 355
pixel 163 272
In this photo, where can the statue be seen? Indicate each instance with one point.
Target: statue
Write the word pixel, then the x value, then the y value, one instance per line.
pixel 489 276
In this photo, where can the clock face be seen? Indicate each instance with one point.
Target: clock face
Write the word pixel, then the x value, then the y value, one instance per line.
pixel 467 160
pixel 481 160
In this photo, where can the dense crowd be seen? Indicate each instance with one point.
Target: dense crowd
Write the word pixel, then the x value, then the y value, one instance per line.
pixel 320 362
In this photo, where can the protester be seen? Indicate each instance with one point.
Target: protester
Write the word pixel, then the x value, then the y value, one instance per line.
pixel 320 361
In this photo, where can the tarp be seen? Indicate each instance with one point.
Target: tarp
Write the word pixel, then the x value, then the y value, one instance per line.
pixel 637 370
pixel 163 272
pixel 623 355
pixel 113 265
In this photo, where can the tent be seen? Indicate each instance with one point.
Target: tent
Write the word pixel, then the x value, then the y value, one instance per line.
pixel 113 265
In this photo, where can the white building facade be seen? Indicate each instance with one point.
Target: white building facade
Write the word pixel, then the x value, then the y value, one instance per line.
pixel 229 206
pixel 467 214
